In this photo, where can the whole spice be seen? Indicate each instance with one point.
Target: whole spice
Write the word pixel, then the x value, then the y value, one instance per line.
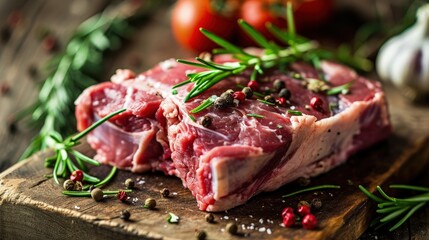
pixel 281 101
pixel 125 214
pixel 129 183
pixel 239 95
pixel 220 103
pixel 50 44
pixel 253 85
pixel 209 217
pixel 289 219
pixel 165 193
pixel 206 121
pixel 303 181
pixel 122 196
pixel 270 99
pixel 150 203
pixel 201 235
pixel 4 88
pixel 278 85
pixel 309 222
pixel 303 203
pixel 285 93
pixel 229 98
pixel 76 175
pixel 247 92
pixel 68 185
pixel 232 228
pixel 286 210
pixel 316 203
pixel 97 194
pixel 316 103
pixel 304 210
pixel 78 186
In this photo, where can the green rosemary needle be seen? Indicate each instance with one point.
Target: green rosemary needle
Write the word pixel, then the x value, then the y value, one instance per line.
pixel 312 189
pixel 88 194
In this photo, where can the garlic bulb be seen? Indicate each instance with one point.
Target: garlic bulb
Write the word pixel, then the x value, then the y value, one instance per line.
pixel 404 59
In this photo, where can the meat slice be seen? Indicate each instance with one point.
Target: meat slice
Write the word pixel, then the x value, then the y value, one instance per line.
pixel 238 155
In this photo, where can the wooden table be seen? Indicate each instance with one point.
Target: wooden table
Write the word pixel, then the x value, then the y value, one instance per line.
pixel 151 43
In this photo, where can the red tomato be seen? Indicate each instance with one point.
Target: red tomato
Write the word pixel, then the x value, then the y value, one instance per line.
pixel 187 18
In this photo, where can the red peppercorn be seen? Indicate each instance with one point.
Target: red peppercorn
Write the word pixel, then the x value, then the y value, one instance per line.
pixel 286 210
pixel 304 210
pixel 49 43
pixel 239 95
pixel 289 219
pixel 14 18
pixel 309 222
pixel 122 196
pixel 253 85
pixel 76 176
pixel 316 103
pixel 281 101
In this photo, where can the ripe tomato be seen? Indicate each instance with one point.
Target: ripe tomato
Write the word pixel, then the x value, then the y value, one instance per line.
pixel 187 18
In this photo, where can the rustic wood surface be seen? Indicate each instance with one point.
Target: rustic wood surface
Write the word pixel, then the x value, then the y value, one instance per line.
pixel 29 203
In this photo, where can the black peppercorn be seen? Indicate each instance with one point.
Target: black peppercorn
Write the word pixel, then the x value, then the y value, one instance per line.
pixel 278 85
pixel 78 186
pixel 316 203
pixel 206 121
pixel 232 228
pixel 97 194
pixel 220 103
pixel 270 99
pixel 201 235
pixel 125 214
pixel 129 183
pixel 165 192
pixel 303 181
pixel 91 188
pixel 284 92
pixel 150 203
pixel 209 217
pixel 247 92
pixel 229 98
pixel 68 185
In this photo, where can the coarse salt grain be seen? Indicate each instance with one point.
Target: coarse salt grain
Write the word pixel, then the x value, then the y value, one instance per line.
pixel 269 231
pixel 76 207
pixel 262 229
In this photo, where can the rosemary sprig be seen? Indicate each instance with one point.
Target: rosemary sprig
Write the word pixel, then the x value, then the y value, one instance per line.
pixel 62 161
pixel 395 211
pixel 88 194
pixel 76 68
pixel 312 189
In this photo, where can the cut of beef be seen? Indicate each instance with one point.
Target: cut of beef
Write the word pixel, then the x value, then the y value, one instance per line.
pixel 238 155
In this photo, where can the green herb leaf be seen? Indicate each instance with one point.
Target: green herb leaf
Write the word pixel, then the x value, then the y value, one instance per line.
pixel 312 189
pixel 173 218
pixel 294 112
pixel 254 115
pixel 342 89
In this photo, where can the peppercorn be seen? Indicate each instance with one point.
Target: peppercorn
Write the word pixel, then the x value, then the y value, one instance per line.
pixel 286 210
pixel 50 43
pixel 229 99
pixel 240 96
pixel 289 219
pixel 270 99
pixel 309 222
pixel 97 194
pixel 125 214
pixel 232 228
pixel 302 203
pixel 165 192
pixel 284 92
pixel 209 217
pixel 76 175
pixel 267 91
pixel 150 203
pixel 220 103
pixel 122 196
pixel 316 103
pixel 297 76
pixel 253 85
pixel 281 101
pixel 78 186
pixel 304 210
pixel 247 92
pixel 129 183
pixel 68 185
pixel 316 203
pixel 6 33
pixel 91 188
pixel 201 235
pixel 4 88
pixel 303 181
pixel 206 121
pixel 33 72
pixel 278 85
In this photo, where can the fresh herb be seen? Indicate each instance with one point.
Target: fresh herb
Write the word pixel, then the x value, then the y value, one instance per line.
pixel 192 118
pixel 266 102
pixel 254 115
pixel 311 189
pixel 343 89
pixel 395 211
pixel 205 104
pixel 294 112
pixel 77 68
pixel 62 162
pixel 173 218
pixel 88 194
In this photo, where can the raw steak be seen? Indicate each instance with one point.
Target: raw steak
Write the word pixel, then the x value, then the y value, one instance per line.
pixel 237 156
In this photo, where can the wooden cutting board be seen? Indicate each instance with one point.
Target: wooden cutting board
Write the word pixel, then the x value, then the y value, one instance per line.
pixel 32 206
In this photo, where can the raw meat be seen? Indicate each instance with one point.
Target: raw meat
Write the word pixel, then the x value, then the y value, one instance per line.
pixel 237 156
